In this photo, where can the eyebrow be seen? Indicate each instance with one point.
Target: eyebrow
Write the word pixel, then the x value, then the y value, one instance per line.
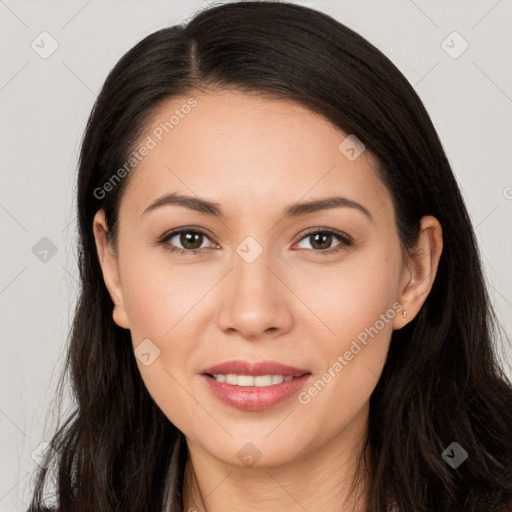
pixel 214 209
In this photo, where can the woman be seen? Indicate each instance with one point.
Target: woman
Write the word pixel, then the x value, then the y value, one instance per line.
pixel 282 301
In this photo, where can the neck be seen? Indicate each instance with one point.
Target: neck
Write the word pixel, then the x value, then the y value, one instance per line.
pixel 321 481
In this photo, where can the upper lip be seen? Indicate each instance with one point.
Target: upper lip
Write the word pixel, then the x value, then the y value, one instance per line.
pixel 239 367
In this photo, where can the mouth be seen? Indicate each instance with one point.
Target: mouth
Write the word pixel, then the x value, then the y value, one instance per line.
pixel 254 386
pixel 259 381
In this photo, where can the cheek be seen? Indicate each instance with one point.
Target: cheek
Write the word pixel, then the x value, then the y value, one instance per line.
pixel 158 294
pixel 159 300
pixel 358 304
pixel 169 303
pixel 353 295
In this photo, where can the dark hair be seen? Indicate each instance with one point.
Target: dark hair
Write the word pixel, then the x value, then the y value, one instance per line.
pixel 441 381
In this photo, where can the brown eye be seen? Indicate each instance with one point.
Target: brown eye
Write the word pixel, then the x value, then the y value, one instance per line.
pixel 185 241
pixel 191 239
pixel 321 241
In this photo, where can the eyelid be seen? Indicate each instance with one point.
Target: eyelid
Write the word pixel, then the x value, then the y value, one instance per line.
pixel 345 239
pixel 163 240
pixel 344 236
pixel 185 229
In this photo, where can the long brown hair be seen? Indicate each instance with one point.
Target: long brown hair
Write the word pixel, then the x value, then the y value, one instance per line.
pixel 441 381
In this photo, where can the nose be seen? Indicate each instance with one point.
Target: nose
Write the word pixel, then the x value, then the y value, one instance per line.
pixel 257 300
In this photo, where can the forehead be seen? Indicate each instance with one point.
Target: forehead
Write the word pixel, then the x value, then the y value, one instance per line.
pixel 248 151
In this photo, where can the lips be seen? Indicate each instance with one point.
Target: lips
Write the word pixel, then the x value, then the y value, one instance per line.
pixel 287 380
pixel 239 367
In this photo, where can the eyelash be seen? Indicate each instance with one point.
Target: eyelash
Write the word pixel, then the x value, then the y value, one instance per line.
pixel 345 241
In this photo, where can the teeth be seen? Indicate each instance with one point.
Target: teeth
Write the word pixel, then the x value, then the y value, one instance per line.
pixel 265 380
pixel 231 379
pixel 277 379
pixel 248 380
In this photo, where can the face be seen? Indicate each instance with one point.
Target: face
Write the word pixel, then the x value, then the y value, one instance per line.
pixel 311 294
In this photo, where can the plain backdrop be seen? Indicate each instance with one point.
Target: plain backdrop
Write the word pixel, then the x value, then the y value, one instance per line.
pixel 45 101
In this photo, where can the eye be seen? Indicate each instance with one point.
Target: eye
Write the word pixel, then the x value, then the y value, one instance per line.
pixel 190 239
pixel 321 240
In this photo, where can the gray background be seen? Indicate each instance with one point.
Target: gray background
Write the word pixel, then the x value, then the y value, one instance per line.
pixel 45 104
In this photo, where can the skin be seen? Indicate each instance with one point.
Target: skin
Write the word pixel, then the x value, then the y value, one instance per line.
pixel 255 156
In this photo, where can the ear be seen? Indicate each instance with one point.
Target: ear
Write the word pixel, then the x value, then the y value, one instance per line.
pixel 109 266
pixel 423 261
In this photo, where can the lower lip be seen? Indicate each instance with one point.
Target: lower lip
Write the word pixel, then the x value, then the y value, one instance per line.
pixel 252 398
